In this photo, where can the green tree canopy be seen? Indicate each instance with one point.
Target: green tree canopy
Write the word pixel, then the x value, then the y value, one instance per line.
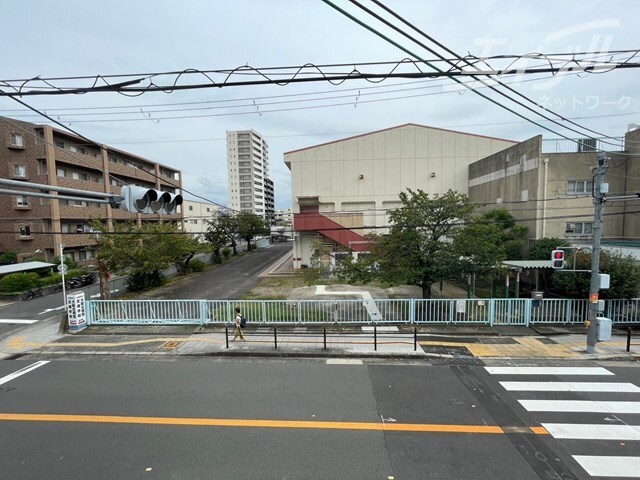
pixel 143 252
pixel 251 225
pixel 511 234
pixel 221 231
pixel 541 249
pixel 420 248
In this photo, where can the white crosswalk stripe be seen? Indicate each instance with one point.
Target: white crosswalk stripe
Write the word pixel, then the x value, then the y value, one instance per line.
pixel 598 437
pixel 570 387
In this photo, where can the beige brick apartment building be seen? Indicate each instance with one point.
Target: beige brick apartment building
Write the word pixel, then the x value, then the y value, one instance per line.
pixel 35 227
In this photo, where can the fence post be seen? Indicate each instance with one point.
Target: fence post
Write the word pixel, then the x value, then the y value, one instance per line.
pixel 226 335
pixel 88 306
pixel 412 311
pixel 275 337
pixel 299 305
pixel 527 311
pixel 203 312
pixel 452 310
pixel 492 310
pixel 324 334
pixel 264 311
pixel 415 339
pixel 375 338
pixel 629 339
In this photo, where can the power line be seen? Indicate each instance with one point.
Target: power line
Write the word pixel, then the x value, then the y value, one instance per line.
pixel 399 30
pixel 459 58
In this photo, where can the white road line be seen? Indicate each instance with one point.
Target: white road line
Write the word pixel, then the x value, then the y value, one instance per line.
pixel 47 310
pixel 581 431
pixel 22 371
pixel 344 361
pixel 570 387
pixel 610 466
pixel 580 406
pixel 548 371
pixel 9 320
pixel 387 328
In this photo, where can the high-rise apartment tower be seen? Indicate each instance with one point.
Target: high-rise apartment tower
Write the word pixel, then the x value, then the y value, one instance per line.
pixel 250 189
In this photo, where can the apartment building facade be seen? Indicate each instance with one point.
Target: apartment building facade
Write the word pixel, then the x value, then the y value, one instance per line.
pixel 36 227
pixel 196 215
pixel 342 190
pixel 250 189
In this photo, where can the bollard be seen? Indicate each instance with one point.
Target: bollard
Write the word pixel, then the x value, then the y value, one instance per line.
pixel 226 335
pixel 629 339
pixel 275 337
pixel 324 334
pixel 375 338
pixel 415 339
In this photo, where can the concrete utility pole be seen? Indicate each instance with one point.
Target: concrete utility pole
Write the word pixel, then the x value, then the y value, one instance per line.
pixel 595 253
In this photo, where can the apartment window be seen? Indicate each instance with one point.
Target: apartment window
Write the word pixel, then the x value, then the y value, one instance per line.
pixel 79 176
pixel 25 231
pixel 19 171
pixel 42 166
pixel 79 203
pixel 576 187
pixel 77 149
pixel 60 172
pixel 208 209
pixel 16 140
pixel 191 208
pixel 22 201
pixel 58 143
pixel 579 228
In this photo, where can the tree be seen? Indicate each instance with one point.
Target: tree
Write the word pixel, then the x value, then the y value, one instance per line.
pixel 541 249
pixel 250 226
pixel 222 230
pixel 420 248
pixel 512 235
pixel 481 247
pixel 142 252
pixel 624 271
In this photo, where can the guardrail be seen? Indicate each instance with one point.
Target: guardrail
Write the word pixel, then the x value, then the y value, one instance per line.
pixel 375 337
pixel 491 312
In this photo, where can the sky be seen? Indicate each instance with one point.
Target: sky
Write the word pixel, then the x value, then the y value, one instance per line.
pixel 80 37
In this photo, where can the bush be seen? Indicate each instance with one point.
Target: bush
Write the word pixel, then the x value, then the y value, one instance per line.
pixel 68 261
pixel 19 282
pixel 50 279
pixel 8 257
pixel 139 281
pixel 196 265
pixel 216 258
pixel 226 253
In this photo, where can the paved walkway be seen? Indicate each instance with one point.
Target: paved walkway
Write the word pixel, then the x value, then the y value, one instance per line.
pixel 386 341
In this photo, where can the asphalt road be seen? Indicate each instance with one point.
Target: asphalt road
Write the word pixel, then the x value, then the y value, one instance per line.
pixel 252 419
pixel 228 281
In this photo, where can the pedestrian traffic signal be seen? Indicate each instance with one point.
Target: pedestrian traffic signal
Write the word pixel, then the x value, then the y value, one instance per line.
pixel 557 259
pixel 147 200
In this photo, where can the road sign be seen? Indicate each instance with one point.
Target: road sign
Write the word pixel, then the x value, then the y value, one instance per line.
pixel 62 268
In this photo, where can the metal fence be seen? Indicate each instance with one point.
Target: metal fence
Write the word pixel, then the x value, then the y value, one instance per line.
pixel 309 312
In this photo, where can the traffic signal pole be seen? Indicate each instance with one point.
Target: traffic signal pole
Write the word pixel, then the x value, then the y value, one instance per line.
pixel 595 253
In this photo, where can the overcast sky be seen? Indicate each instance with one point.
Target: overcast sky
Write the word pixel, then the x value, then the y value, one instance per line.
pixel 69 37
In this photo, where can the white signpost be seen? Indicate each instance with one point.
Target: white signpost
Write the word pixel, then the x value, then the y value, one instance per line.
pixel 76 313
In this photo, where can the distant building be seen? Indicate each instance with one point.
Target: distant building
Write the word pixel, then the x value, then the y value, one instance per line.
pixel 196 215
pixel 250 189
pixel 35 227
pixel 342 190
pixel 546 184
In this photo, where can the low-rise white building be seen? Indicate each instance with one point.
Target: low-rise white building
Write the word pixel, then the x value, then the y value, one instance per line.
pixel 196 215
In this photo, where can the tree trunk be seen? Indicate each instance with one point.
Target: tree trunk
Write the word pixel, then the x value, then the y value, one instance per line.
pixel 426 290
pixel 233 245
pixel 248 244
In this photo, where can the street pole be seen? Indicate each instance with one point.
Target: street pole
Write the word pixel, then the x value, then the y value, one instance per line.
pixel 62 269
pixel 595 252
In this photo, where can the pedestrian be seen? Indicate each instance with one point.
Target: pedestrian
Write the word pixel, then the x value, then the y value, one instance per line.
pixel 238 325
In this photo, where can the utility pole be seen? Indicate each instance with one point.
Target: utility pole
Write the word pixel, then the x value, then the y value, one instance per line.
pixel 595 253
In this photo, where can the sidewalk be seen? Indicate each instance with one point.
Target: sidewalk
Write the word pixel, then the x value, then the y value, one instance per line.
pixel 444 342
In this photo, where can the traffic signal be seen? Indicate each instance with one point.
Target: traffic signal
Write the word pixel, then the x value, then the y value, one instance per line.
pixel 147 200
pixel 557 259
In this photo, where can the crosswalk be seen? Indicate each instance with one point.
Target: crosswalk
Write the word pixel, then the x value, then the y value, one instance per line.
pixel 597 421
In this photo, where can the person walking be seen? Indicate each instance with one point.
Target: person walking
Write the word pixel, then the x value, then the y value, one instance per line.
pixel 238 325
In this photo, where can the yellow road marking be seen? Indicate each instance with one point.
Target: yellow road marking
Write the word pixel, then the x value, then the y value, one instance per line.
pixel 255 423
